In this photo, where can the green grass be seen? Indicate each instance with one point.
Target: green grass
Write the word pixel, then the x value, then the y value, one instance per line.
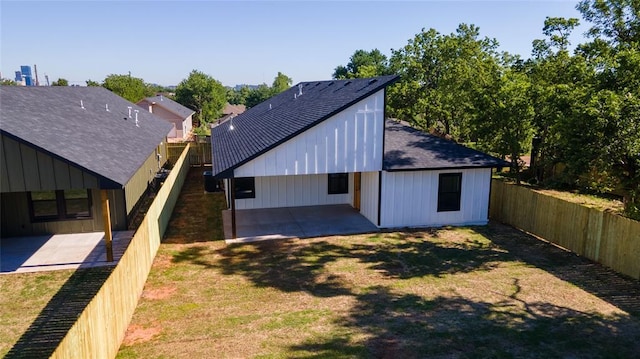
pixel 462 293
pixel 22 297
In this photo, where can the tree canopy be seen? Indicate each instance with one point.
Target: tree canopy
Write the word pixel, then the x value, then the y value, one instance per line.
pixel 203 94
pixel 583 107
pixel 131 88
pixel 60 82
pixel 363 64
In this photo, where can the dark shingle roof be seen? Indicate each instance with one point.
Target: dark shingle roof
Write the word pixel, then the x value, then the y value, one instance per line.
pixel 105 143
pixel 284 116
pixel 407 149
pixel 171 106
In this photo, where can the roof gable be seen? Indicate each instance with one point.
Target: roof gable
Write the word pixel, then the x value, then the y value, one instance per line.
pixel 89 127
pixel 169 105
pixel 284 116
pixel 407 149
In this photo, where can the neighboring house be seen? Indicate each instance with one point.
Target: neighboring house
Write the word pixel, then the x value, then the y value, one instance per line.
pixel 180 116
pixel 327 142
pixel 65 150
pixel 230 111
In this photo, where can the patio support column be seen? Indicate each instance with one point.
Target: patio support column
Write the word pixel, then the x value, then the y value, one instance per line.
pixel 106 219
pixel 234 233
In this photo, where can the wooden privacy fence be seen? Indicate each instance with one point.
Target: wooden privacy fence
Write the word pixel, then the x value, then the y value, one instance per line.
pixel 100 328
pixel 199 155
pixel 606 238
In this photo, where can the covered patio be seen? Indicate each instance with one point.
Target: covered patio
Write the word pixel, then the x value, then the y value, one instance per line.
pixel 59 251
pixel 295 222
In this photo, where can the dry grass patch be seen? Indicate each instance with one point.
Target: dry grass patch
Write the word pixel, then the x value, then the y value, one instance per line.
pixel 464 292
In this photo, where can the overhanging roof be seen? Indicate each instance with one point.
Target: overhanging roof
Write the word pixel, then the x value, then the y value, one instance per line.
pixel 73 124
pixel 284 116
pixel 408 149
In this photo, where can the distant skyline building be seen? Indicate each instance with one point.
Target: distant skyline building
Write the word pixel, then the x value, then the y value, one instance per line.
pixel 18 76
pixel 26 75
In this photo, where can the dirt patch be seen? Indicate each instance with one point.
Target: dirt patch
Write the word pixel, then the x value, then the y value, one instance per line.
pixel 137 334
pixel 162 261
pixel 159 293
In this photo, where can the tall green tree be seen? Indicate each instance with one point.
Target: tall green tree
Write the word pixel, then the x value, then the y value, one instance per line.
pixel 203 94
pixel 363 64
pixel 612 108
pixel 60 82
pixel 281 83
pixel 557 79
pixel 505 119
pixel 131 88
pixel 258 95
pixel 441 77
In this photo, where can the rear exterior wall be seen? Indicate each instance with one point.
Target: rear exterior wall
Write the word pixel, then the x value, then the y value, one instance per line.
pixel 410 199
pixel 294 191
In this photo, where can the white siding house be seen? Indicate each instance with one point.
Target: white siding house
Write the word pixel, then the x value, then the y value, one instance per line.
pixel 410 199
pixel 327 142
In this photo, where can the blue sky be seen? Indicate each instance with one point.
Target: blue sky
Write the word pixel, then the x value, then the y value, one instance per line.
pixel 241 41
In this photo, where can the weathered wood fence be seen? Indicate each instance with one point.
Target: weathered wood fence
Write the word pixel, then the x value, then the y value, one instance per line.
pixel 101 327
pixel 600 236
pixel 199 155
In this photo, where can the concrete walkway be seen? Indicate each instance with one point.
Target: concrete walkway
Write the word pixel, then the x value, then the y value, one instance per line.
pixel 296 222
pixel 59 251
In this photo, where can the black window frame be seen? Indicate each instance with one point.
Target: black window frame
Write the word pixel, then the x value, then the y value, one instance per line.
pixel 244 187
pixel 448 198
pixel 61 208
pixel 337 183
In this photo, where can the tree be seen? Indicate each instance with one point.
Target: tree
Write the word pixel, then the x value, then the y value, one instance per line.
pixel 440 79
pixel 60 82
pixel 363 64
pixel 505 121
pixel 612 108
pixel 238 97
pixel 203 94
pixel 91 83
pixel 258 95
pixel 131 88
pixel 281 83
pixel 615 21
pixel 7 82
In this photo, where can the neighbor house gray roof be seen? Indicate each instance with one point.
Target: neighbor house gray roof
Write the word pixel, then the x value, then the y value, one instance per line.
pixel 170 105
pixel 74 125
pixel 407 149
pixel 284 116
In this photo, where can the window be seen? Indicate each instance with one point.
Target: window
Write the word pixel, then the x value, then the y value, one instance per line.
pixel 245 187
pixel 449 189
pixel 338 183
pixel 60 205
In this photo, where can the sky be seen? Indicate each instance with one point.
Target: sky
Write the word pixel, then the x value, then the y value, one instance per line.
pixel 243 42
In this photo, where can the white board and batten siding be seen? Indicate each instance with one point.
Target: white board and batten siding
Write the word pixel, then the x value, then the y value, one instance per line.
pixel 369 196
pixel 410 199
pixel 294 191
pixel 350 141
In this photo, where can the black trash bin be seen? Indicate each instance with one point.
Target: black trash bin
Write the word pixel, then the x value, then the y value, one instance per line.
pixel 210 183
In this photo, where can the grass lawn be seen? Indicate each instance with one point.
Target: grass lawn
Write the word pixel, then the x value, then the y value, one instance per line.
pixel 450 293
pixel 22 297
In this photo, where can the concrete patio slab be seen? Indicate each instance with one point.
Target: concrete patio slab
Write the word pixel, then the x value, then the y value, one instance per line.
pixel 295 222
pixel 59 251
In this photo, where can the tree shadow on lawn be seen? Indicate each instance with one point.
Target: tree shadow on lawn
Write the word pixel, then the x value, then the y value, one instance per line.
pixel 408 326
pixel 606 284
pixel 291 265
